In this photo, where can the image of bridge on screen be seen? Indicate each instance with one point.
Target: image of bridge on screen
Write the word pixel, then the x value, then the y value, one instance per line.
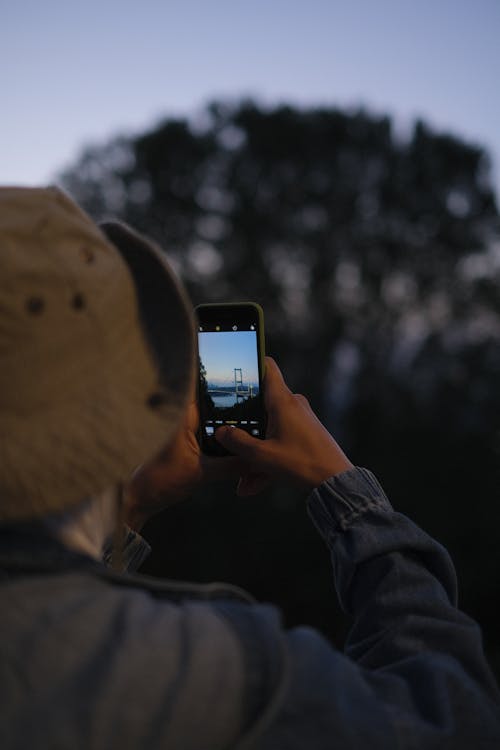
pixel 229 376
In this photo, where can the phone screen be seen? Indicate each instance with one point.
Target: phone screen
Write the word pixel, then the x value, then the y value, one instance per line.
pixel 230 347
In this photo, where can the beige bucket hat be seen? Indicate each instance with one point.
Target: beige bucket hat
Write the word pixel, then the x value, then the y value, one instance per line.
pixel 96 353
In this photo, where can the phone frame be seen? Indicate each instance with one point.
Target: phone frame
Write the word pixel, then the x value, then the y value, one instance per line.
pixel 227 314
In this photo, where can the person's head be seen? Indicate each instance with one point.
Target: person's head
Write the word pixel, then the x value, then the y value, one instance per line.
pixel 96 354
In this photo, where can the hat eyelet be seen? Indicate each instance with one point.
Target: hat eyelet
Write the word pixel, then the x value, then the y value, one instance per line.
pixel 87 254
pixel 78 302
pixel 156 400
pixel 35 305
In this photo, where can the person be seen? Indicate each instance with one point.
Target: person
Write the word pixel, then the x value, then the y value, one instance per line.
pixel 97 434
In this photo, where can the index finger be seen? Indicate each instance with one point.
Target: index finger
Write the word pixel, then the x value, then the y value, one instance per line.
pixel 274 383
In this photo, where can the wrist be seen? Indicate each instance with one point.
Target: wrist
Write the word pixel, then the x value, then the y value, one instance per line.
pixel 316 474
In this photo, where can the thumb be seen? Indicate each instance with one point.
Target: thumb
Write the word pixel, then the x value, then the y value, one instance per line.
pixel 239 442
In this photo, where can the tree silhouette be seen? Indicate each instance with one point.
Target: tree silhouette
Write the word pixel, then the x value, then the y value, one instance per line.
pixel 376 260
pixel 203 393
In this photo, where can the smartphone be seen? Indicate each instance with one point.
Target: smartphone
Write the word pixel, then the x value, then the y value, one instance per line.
pixel 231 370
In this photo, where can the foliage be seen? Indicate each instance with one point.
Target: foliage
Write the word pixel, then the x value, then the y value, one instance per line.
pixel 377 262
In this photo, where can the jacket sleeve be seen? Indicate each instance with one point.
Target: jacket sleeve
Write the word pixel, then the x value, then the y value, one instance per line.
pixel 413 674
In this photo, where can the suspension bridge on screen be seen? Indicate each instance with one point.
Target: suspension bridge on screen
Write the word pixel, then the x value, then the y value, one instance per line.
pixel 239 390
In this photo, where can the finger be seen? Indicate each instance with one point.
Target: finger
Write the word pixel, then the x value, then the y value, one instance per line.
pixel 273 375
pixel 274 383
pixel 239 442
pixel 303 401
pixel 193 387
pixel 192 419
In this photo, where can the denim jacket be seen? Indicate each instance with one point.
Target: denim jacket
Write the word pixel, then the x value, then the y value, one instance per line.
pixel 90 658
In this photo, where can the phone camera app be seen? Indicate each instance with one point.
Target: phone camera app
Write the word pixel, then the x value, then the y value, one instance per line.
pixel 229 376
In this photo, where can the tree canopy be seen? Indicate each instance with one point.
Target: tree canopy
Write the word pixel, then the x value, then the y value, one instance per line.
pixel 376 259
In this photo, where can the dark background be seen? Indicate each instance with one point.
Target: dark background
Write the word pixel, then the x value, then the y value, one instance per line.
pixel 376 261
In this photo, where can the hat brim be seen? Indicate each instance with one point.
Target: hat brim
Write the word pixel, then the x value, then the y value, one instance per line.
pixel 165 310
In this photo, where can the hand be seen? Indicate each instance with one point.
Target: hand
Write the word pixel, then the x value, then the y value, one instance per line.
pixel 297 447
pixel 174 473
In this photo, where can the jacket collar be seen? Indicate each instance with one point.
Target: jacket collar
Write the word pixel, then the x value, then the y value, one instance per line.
pixel 28 549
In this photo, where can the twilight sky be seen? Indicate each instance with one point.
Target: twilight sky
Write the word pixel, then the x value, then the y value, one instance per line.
pixel 222 352
pixel 73 73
